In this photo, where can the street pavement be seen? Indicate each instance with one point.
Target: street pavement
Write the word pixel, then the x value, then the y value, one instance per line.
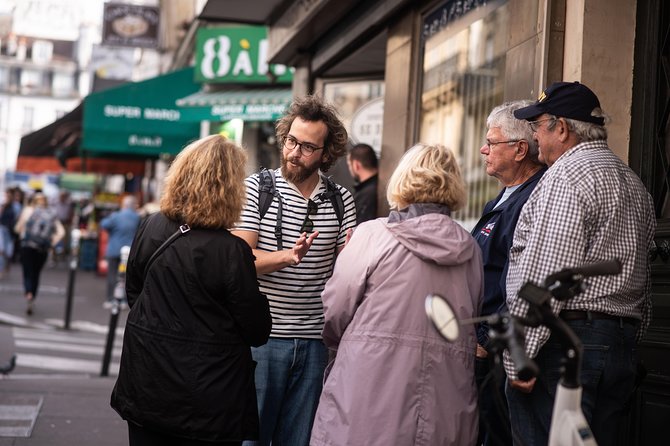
pixel 55 394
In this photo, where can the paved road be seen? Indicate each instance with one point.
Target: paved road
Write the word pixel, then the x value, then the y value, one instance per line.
pixel 55 395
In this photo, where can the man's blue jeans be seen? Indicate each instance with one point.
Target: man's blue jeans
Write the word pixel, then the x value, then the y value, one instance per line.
pixel 289 377
pixel 607 375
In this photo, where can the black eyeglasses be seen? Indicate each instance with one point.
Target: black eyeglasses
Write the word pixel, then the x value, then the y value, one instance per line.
pixel 307 223
pixel 490 144
pixel 305 148
pixel 534 125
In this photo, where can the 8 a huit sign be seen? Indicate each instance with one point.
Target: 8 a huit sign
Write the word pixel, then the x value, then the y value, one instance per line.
pixel 236 55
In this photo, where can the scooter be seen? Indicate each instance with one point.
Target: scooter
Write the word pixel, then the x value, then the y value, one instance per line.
pixel 568 424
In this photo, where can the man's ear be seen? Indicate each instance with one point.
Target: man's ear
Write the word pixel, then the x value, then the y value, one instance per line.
pixel 521 150
pixel 563 130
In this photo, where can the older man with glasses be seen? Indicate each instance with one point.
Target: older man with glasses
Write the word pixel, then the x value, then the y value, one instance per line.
pixel 510 155
pixel 289 373
pixel 588 207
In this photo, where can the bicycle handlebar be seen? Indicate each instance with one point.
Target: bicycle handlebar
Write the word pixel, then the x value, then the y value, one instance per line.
pixel 567 283
pixel 605 268
pixel 525 367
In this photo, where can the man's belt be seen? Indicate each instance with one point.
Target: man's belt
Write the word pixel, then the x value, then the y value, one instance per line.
pixel 582 315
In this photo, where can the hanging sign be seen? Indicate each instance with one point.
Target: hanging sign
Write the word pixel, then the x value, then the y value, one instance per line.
pixel 130 25
pixel 236 55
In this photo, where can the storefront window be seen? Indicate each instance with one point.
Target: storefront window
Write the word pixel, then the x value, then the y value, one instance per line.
pixel 464 46
pixel 360 105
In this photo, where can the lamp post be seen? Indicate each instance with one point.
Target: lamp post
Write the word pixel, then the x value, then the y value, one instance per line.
pixel 117 303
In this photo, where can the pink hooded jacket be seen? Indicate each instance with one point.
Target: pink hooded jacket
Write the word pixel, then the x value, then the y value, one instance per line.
pixel 395 381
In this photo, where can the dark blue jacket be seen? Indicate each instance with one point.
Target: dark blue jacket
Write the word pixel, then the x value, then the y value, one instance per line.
pixel 494 233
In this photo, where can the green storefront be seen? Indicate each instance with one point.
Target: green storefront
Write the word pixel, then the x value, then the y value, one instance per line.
pixel 140 119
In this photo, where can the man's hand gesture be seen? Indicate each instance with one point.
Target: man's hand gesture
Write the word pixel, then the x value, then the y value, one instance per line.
pixel 301 246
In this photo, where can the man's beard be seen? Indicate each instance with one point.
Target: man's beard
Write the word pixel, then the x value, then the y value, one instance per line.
pixel 303 172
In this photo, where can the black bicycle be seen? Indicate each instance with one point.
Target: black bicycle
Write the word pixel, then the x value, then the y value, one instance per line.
pixel 568 425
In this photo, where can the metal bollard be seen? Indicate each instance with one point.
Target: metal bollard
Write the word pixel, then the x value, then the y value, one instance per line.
pixel 119 298
pixel 75 237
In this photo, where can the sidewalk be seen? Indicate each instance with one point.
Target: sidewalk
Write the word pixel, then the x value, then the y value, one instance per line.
pixel 73 412
pixel 62 409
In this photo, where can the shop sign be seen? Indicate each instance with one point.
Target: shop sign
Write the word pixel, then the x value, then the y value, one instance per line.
pixel 450 11
pixel 236 54
pixel 130 25
pixel 246 112
pixel 366 124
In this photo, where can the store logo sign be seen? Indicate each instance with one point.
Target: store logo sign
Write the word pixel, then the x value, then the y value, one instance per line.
pixel 236 54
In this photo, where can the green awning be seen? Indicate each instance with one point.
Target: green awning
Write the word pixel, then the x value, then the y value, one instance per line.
pixel 140 118
pixel 236 103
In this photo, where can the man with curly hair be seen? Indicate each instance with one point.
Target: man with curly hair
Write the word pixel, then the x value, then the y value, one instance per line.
pixel 290 367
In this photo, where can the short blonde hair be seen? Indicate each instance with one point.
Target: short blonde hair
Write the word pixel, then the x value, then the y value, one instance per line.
pixel 204 186
pixel 427 174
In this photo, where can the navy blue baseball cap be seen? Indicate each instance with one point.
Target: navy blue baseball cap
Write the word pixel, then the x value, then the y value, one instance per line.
pixel 566 100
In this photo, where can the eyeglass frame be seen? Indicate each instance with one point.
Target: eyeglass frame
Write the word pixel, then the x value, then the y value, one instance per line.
pixel 305 148
pixel 535 125
pixel 493 144
pixel 307 223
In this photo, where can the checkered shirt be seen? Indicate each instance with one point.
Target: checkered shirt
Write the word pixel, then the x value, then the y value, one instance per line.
pixel 588 207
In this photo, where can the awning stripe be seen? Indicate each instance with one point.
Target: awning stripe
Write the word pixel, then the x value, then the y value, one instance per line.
pixel 282 96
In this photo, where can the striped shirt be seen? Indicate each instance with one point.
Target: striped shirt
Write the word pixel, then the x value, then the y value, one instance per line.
pixel 294 292
pixel 588 207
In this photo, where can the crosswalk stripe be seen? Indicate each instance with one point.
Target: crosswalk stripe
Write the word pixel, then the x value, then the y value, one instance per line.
pixel 18 414
pixel 63 364
pixel 86 326
pixel 29 342
pixel 51 336
pixel 93 350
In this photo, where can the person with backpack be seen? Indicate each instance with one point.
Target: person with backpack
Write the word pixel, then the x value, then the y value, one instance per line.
pixel 296 222
pixel 39 230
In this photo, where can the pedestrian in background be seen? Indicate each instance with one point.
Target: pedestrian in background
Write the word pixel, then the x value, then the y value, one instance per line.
pixel 19 198
pixel 511 156
pixel 290 366
pixel 186 375
pixel 588 207
pixel 65 213
pixel 8 218
pixel 39 230
pixel 121 226
pixel 394 380
pixel 362 162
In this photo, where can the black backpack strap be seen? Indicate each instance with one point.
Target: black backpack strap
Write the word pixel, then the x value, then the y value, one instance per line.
pixel 183 229
pixel 267 190
pixel 334 194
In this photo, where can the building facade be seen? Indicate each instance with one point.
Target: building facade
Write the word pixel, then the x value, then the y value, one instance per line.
pixel 443 64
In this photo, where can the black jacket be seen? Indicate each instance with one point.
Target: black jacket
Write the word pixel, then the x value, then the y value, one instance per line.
pixel 186 367
pixel 494 233
pixel 365 197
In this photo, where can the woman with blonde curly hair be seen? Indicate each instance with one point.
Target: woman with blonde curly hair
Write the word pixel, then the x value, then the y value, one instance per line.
pixel 393 379
pixel 186 375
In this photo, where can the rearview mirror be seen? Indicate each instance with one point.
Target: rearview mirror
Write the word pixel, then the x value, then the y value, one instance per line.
pixel 442 316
